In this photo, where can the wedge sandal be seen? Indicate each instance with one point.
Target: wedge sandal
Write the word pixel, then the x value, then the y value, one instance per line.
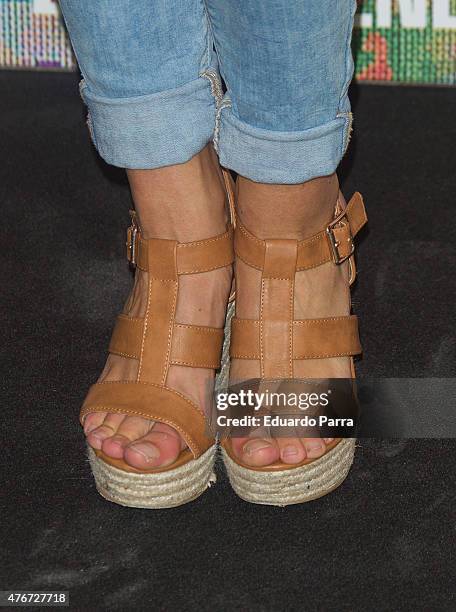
pixel 276 341
pixel 155 342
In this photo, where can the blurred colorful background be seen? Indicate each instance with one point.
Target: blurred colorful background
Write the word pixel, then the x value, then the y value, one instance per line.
pixel 401 41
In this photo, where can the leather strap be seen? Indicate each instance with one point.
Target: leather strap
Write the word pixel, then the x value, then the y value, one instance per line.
pixel 191 345
pixel 151 402
pixel 160 312
pixel 158 341
pixel 127 337
pixel 196 346
pixel 311 338
pixel 192 257
pixel 276 340
pixel 313 251
pixel 276 309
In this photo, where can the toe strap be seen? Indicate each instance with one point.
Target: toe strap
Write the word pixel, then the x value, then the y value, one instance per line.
pixel 152 402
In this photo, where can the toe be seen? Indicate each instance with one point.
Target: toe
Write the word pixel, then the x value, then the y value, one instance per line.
pixel 160 447
pixel 314 447
pixel 127 430
pixel 93 420
pixel 108 428
pixel 256 452
pixel 291 450
pixel 115 446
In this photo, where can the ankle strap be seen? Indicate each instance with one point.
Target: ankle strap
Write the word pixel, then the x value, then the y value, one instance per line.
pixel 276 339
pixel 334 243
pixel 191 257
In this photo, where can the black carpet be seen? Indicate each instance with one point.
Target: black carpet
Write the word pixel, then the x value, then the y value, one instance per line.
pixel 383 541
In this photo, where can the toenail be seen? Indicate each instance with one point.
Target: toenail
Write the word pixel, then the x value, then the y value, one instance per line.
pixel 99 435
pixel 255 445
pixel 103 431
pixel 313 446
pixel 328 440
pixel 88 428
pixel 290 451
pixel 148 451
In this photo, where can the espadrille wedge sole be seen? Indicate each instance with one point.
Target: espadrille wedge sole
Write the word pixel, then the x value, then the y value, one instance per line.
pixel 276 341
pixel 157 341
pixel 293 486
pixel 165 489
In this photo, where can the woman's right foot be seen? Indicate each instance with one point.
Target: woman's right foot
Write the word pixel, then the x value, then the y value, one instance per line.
pixel 202 300
pixel 140 442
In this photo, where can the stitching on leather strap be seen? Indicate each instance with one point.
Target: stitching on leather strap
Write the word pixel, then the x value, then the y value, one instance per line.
pixel 204 269
pixel 141 382
pixel 322 320
pixel 146 320
pixel 325 355
pixel 209 330
pixel 290 327
pixel 122 354
pixel 195 364
pixel 166 361
pixel 186 247
pixel 255 325
pixel 224 236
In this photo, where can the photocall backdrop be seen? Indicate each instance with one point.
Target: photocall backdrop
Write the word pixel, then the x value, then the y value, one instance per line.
pixel 401 41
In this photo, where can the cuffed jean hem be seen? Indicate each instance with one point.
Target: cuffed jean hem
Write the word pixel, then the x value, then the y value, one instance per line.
pixel 154 130
pixel 281 157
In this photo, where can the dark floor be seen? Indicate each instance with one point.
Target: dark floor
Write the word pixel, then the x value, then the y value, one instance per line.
pixel 383 541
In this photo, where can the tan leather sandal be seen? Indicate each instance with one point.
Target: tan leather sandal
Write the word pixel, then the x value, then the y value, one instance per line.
pixel 276 341
pixel 156 342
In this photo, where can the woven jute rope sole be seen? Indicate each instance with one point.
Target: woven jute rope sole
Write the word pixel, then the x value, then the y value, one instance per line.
pixel 155 490
pixel 296 485
pixel 163 489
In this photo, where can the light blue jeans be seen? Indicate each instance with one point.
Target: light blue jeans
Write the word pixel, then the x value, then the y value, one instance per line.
pixel 151 80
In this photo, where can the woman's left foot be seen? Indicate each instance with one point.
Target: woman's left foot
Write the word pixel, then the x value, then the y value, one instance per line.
pixel 319 292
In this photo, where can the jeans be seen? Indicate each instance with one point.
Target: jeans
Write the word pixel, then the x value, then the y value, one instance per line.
pixel 151 80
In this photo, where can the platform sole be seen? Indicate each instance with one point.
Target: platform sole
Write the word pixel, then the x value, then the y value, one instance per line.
pixel 293 486
pixel 166 489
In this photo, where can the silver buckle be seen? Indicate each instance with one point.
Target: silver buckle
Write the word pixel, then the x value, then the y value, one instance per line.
pixel 132 239
pixel 333 242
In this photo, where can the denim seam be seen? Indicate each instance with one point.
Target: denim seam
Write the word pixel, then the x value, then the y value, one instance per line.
pixel 89 122
pixel 348 51
pixel 217 92
pixel 225 103
pixel 209 38
pixel 348 129
pixel 216 86
pixel 347 115
pixel 214 41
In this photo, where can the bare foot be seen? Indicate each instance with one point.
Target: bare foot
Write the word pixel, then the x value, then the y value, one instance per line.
pixel 141 442
pixel 183 203
pixel 319 292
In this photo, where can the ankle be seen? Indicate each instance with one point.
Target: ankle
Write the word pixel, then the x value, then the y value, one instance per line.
pixel 287 211
pixel 184 202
